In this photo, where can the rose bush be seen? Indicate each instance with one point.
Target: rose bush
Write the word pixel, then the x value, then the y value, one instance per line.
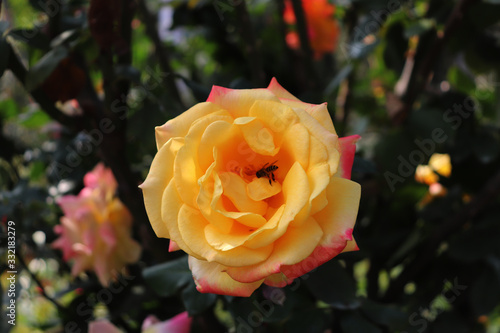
pixel 208 189
pixel 95 231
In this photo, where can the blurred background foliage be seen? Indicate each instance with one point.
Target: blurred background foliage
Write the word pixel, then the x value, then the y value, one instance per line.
pixel 413 78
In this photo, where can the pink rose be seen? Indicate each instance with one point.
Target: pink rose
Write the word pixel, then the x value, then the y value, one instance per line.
pixel 95 231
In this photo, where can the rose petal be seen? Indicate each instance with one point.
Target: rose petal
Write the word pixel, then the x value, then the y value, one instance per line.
pixel 296 196
pixel 239 101
pixel 179 126
pixel 336 221
pixel 235 188
pixel 321 114
pixel 173 246
pixel 187 170
pixel 217 133
pixel 160 174
pixel 276 116
pixel 296 141
pixel 328 139
pixel 242 236
pixel 211 277
pixel 295 245
pixel 260 189
pixel 171 205
pixel 192 225
pixel 259 138
pixel 278 90
pixel 208 199
pixel 347 151
pixel 319 178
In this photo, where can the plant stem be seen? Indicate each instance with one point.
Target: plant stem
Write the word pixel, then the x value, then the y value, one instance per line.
pixel 40 285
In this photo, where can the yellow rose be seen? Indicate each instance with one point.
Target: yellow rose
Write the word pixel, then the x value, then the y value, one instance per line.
pixel 254 186
pixel 439 164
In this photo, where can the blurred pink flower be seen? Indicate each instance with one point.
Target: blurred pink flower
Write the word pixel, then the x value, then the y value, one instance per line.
pixel 102 326
pixel 95 231
pixel 178 324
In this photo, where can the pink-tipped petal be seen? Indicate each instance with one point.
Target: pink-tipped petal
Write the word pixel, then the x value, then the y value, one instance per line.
pixel 211 277
pixel 173 246
pixel 337 221
pixel 295 245
pixel 181 323
pixel 347 151
pixel 239 101
pixel 103 326
pixel 279 91
pixel 217 93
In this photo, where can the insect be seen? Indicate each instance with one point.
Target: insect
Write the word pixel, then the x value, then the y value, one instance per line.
pixel 267 171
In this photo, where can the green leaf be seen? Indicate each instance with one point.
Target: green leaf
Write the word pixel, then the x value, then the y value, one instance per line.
pixel 34 119
pixel 33 37
pixel 390 317
pixel 331 284
pixel 354 322
pixel 44 67
pixel 196 302
pixel 460 80
pixel 37 170
pixel 485 292
pixel 310 321
pixel 168 278
pixel 9 109
pixel 419 27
